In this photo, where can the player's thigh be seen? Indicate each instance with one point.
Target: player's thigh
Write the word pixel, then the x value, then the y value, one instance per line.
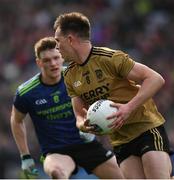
pixel 132 168
pixel 58 162
pixel 108 169
pixel 157 164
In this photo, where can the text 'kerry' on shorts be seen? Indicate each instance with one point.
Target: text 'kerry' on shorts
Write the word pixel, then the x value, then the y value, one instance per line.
pixel 154 139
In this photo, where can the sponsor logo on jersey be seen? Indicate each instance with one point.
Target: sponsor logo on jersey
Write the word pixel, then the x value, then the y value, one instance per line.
pixel 40 101
pixel 101 92
pixel 57 112
pixel 77 84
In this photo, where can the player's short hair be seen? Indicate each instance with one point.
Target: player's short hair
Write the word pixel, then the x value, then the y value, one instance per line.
pixel 74 22
pixel 44 44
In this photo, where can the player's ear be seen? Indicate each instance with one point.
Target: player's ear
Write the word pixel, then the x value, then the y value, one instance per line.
pixel 70 39
pixel 38 62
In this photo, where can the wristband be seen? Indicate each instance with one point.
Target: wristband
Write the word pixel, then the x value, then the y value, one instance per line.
pixel 26 156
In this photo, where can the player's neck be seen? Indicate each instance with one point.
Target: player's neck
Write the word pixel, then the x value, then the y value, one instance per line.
pixel 50 80
pixel 84 51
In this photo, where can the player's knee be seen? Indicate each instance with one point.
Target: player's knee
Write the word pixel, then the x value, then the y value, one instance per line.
pixel 58 173
pixel 113 162
pixel 54 174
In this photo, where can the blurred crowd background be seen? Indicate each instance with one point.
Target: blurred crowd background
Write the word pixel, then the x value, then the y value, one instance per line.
pixel 142 28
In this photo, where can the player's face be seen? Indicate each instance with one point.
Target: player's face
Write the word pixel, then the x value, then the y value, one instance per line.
pixel 50 63
pixel 65 45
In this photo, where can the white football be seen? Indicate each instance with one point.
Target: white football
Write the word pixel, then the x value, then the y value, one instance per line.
pixel 97 115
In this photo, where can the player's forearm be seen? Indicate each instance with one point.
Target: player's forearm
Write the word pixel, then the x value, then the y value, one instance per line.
pixel 19 133
pixel 149 87
pixel 79 122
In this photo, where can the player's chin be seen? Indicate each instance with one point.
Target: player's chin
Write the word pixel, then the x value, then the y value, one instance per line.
pixel 54 74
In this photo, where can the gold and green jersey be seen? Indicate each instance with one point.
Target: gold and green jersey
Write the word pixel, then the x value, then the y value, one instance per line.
pixel 104 76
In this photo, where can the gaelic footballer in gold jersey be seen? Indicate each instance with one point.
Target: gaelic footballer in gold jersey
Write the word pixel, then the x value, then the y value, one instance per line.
pixel 95 73
pixel 112 84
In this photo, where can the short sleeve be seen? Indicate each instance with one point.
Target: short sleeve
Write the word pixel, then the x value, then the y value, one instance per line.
pixel 20 103
pixel 121 64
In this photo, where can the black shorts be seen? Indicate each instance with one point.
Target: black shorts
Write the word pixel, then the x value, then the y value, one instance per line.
pixel 88 155
pixel 154 139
